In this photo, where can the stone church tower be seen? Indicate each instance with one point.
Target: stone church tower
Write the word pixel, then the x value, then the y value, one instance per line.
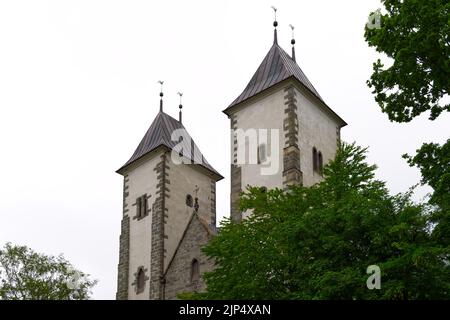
pixel 283 133
pixel 280 99
pixel 169 213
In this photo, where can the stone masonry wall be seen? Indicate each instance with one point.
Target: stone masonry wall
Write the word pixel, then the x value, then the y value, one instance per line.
pixel 178 275
pixel 236 176
pixel 124 249
pixel 157 242
pixel 291 152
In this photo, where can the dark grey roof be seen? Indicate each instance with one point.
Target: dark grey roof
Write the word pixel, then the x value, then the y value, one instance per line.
pixel 276 67
pixel 159 134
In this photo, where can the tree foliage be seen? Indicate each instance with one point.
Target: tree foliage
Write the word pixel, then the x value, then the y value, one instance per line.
pixel 27 275
pixel 433 161
pixel 415 34
pixel 317 242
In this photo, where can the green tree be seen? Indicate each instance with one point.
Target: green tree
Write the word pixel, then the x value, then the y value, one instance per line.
pixel 317 242
pixel 27 275
pixel 415 35
pixel 433 160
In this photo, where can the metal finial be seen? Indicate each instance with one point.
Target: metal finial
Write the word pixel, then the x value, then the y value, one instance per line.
pixel 275 24
pixel 161 83
pixel 181 96
pixel 181 105
pixel 292 42
pixel 161 94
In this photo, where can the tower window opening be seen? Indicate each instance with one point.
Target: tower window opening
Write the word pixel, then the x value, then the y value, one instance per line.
pixel 140 280
pixel 138 207
pixel 195 270
pixel 141 207
pixel 315 159
pixel 262 153
pixel 320 162
pixel 189 201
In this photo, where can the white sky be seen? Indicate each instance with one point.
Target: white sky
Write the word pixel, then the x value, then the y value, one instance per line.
pixel 78 91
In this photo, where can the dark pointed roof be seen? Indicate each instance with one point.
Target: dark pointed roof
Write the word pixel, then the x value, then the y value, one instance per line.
pixel 276 67
pixel 159 134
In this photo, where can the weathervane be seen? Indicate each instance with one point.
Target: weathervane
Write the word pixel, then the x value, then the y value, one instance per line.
pixel 161 94
pixel 275 13
pixel 293 42
pixel 275 24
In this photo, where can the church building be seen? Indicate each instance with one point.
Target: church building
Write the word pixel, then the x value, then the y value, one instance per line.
pixel 169 208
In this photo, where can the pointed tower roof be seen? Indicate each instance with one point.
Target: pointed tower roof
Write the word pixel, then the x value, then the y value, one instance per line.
pixel 276 67
pixel 159 134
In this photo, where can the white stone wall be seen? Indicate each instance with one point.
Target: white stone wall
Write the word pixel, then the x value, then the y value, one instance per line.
pixel 183 181
pixel 141 180
pixel 264 113
pixel 317 128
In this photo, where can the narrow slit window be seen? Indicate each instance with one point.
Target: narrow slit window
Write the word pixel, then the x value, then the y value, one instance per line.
pixel 262 153
pixel 143 206
pixel 138 207
pixel 320 160
pixel 315 159
pixel 140 280
pixel 195 270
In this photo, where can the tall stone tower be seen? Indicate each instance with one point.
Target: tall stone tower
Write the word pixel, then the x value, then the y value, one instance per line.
pixel 302 133
pixel 169 212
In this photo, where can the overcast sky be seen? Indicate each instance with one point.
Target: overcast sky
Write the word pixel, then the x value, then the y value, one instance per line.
pixel 78 90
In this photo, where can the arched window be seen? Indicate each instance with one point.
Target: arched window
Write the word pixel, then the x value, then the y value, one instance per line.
pixel 195 270
pixel 189 201
pixel 320 161
pixel 140 280
pixel 315 159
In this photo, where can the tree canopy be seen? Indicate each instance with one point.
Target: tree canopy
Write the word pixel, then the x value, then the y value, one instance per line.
pixel 433 160
pixel 27 275
pixel 317 242
pixel 415 35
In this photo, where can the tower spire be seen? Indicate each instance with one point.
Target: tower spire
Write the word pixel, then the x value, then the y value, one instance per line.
pixel 293 42
pixel 275 24
pixel 180 106
pixel 161 94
